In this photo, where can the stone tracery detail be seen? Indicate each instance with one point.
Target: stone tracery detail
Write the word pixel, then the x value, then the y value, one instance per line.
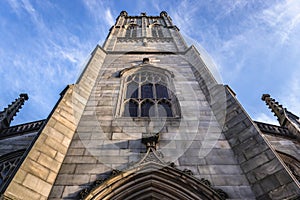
pixel 152 178
pixel 148 93
pixel 7 164
pixel 292 163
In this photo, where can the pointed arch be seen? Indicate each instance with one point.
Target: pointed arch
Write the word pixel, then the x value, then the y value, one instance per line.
pixel 291 162
pixel 153 181
pixel 151 87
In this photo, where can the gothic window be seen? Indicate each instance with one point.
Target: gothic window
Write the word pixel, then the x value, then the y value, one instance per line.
pixel 131 29
pixel 156 31
pixel 147 109
pixel 148 94
pixel 147 90
pixel 165 108
pixel 292 163
pixel 161 91
pixel 7 164
pixel 131 108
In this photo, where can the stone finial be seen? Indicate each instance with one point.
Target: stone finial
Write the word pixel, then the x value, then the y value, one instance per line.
pixel 123 14
pixel 264 96
pixel 275 107
pixel 163 14
pixel 7 115
pixel 24 96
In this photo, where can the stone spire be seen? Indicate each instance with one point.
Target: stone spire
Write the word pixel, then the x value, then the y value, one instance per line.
pixel 284 117
pixel 275 107
pixel 7 115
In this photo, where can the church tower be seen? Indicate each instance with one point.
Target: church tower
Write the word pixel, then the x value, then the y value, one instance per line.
pixel 147 120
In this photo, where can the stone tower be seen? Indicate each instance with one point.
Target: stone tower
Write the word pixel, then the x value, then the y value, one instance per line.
pixel 147 120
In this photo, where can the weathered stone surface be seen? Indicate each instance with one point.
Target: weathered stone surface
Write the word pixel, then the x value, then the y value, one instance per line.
pixel 87 135
pixel 35 183
pixel 35 169
pixel 72 179
pixel 54 137
pixel 22 192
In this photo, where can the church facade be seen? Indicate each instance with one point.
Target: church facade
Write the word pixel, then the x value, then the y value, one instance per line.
pixel 147 120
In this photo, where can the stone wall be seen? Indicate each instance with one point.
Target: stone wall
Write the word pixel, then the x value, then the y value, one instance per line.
pixel 288 146
pixel 9 145
pixel 104 141
pixel 263 168
pixel 35 177
pixel 146 45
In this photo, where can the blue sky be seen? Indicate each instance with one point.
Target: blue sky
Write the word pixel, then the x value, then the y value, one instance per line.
pixel 254 44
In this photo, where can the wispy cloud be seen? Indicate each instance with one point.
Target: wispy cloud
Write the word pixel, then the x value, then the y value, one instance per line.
pixel 100 12
pixel 25 7
pixel 45 59
pixel 262 117
pixel 108 17
pixel 246 39
pixel 291 93
pixel 249 40
pixel 283 17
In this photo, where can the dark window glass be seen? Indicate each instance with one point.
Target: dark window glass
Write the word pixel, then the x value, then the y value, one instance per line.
pixel 148 96
pixel 154 34
pixel 147 91
pixel 147 109
pixel 164 110
pixel 161 91
pixel 129 78
pixel 131 109
pixel 128 31
pixel 134 33
pixel 132 90
pixel 160 33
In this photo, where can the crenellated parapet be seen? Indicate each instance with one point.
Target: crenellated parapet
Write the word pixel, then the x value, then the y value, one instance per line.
pixel 144 28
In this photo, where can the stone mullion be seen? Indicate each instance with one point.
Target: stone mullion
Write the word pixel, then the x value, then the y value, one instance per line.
pixel 140 96
pixel 155 98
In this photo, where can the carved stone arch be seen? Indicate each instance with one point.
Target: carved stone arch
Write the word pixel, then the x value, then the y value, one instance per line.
pixel 292 163
pixel 147 67
pixel 123 14
pixel 163 14
pixel 155 24
pixel 131 25
pixel 157 85
pixel 153 181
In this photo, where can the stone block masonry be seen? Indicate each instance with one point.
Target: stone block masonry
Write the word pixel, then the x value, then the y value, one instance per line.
pixel 36 175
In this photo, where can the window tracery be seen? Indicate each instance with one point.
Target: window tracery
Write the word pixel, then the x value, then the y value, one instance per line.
pixel 148 93
pixel 156 30
pixel 7 164
pixel 131 29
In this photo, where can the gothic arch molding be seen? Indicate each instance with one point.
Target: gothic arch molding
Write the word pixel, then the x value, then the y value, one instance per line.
pixel 153 181
pixel 146 67
pixel 147 91
pixel 292 163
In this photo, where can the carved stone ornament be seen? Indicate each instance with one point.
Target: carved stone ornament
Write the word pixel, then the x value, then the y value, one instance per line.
pixel 152 176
